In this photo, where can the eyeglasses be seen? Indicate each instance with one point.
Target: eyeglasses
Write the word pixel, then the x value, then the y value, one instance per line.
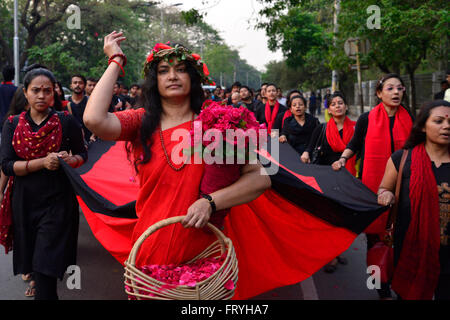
pixel 399 88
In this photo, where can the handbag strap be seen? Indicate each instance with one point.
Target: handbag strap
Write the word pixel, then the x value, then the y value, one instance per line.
pixel 319 141
pixel 394 209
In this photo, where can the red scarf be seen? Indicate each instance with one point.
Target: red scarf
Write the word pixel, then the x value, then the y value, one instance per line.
pixel 271 115
pixel 339 144
pixel 28 145
pixel 378 150
pixel 287 114
pixel 417 272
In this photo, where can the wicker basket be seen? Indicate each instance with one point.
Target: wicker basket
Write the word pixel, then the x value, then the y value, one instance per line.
pixel 141 285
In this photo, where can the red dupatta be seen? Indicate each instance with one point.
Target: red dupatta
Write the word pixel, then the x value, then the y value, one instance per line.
pixel 28 145
pixel 339 144
pixel 417 272
pixel 378 150
pixel 271 115
pixel 287 114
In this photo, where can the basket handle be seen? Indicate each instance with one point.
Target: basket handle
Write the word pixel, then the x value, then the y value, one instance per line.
pixel 164 223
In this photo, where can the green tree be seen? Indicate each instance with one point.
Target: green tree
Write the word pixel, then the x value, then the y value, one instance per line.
pixel 410 32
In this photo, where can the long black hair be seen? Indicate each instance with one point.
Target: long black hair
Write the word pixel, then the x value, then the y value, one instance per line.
pixel 417 136
pixel 151 102
pixel 18 103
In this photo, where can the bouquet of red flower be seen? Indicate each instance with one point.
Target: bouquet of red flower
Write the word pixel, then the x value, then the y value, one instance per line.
pixel 229 140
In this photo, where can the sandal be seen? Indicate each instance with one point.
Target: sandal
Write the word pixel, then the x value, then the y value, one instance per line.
pixel 31 290
pixel 27 277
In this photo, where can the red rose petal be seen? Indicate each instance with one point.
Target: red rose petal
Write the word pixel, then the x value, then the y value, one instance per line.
pixel 229 285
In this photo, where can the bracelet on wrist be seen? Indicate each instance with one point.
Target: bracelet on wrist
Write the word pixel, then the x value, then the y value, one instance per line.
pixel 121 55
pixel 383 191
pixel 211 202
pixel 121 67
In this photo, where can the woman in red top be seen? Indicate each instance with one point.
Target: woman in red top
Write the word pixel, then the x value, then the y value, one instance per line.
pixel 172 98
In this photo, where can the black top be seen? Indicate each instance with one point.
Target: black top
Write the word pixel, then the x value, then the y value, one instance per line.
pixel 78 112
pixel 70 141
pixel 358 142
pixel 260 113
pixel 442 176
pixel 327 156
pixel 298 136
pixel 44 208
pixel 253 105
pixel 6 94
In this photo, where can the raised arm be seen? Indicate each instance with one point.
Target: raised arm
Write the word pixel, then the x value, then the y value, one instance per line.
pixel 105 125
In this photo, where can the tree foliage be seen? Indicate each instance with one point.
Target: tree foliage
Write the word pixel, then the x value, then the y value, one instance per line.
pixel 46 38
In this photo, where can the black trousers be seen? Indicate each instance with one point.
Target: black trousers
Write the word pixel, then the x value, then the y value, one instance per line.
pixel 46 287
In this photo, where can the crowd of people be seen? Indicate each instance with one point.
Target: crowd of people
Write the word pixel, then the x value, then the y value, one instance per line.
pixel 41 125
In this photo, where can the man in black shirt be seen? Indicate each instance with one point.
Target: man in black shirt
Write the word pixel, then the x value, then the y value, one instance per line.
pixel 247 99
pixel 78 101
pixel 444 86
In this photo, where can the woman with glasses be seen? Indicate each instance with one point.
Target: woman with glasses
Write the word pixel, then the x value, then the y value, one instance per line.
pixel 378 134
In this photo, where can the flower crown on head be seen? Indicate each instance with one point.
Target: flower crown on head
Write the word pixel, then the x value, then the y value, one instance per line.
pixel 167 53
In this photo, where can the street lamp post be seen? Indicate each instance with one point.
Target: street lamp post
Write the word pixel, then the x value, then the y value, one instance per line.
pixel 162 17
pixel 16 44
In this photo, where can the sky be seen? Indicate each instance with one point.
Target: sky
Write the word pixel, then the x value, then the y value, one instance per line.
pixel 235 20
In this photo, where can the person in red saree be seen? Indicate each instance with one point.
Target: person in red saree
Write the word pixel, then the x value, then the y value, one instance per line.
pixel 422 227
pixel 39 206
pixel 267 113
pixel 378 134
pixel 172 98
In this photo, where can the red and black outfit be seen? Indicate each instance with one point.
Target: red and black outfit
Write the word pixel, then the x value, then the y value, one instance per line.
pixel 422 228
pixel 376 137
pixel 334 143
pixel 265 113
pixel 44 209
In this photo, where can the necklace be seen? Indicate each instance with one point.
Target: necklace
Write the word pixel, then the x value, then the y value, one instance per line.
pixel 169 162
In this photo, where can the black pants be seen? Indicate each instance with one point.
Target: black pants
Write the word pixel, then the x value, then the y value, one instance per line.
pixel 45 287
pixel 385 290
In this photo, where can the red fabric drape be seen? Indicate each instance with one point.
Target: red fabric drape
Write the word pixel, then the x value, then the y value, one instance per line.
pixel 276 242
pixel 417 272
